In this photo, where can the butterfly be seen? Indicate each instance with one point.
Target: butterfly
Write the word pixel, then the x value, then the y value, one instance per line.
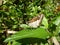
pixel 36 21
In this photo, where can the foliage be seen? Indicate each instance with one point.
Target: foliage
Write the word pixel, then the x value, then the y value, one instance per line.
pixel 15 13
pixel 36 33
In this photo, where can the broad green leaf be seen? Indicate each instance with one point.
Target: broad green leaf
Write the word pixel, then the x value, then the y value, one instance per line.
pixel 35 33
pixel 45 22
pixel 57 21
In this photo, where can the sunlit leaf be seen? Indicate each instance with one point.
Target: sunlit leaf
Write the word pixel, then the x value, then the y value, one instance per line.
pixel 35 33
pixel 24 26
pixel 14 26
pixel 57 21
pixel 9 43
pixel 45 22
pixel 16 43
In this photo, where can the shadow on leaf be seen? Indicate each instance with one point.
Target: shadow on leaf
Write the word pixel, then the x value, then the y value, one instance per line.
pixel 26 41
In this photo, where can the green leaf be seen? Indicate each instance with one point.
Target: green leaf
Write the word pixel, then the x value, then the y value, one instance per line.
pixel 14 26
pixel 57 21
pixel 16 43
pixel 45 22
pixel 35 33
pixel 24 26
pixel 9 43
pixel 57 31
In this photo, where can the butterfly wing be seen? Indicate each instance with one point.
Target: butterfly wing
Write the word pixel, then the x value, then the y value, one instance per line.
pixel 36 22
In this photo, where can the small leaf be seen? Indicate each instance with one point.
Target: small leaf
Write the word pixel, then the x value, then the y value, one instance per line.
pixel 14 26
pixel 57 21
pixel 16 43
pixel 57 31
pixel 45 22
pixel 24 26
pixel 9 43
pixel 35 33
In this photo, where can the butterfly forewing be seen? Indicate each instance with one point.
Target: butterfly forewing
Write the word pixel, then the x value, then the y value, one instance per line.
pixel 36 21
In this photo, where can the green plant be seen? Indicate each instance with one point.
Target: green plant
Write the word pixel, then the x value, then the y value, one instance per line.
pixel 15 14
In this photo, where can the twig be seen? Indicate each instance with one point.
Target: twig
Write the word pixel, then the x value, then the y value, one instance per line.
pixel 10 32
pixel 55 41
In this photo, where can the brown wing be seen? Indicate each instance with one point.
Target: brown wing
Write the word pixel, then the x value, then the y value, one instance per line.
pixel 40 16
pixel 36 21
pixel 33 19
